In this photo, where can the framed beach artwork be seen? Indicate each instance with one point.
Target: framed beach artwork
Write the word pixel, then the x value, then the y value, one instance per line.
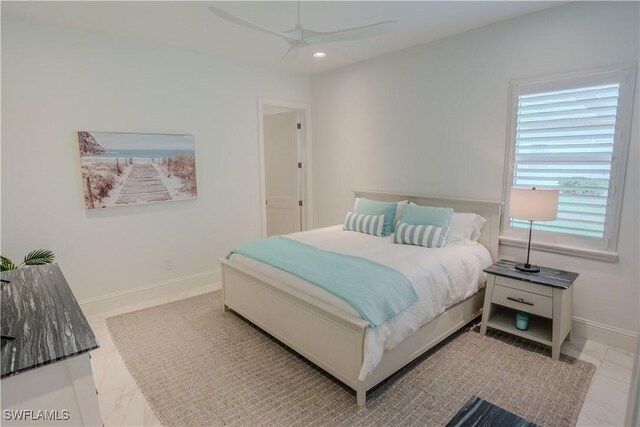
pixel 120 169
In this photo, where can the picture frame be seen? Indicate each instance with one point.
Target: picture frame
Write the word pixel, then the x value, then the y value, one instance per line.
pixel 124 169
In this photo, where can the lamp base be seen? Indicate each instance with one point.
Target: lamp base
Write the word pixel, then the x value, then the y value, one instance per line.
pixel 528 268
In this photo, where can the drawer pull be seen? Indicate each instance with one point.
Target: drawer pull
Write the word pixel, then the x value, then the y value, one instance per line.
pixel 520 300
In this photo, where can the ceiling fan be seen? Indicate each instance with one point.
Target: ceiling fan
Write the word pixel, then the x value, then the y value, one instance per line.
pixel 299 37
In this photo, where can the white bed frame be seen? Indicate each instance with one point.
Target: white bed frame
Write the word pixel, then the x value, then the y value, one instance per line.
pixel 334 339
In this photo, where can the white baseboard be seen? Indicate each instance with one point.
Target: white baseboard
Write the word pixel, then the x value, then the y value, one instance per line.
pixel 604 334
pixel 194 284
pixel 210 281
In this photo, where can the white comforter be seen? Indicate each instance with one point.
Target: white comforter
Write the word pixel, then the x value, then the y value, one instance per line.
pixel 441 277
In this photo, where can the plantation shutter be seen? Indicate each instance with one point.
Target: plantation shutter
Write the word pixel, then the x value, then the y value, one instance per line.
pixel 565 140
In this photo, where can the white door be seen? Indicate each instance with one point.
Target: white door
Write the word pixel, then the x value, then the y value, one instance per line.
pixel 282 157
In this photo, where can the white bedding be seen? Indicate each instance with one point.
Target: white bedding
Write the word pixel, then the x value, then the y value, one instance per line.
pixel 441 277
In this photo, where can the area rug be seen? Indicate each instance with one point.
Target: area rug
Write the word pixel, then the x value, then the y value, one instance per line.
pixel 197 365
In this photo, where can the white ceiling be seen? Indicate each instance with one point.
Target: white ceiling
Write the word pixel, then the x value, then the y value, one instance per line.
pixel 190 25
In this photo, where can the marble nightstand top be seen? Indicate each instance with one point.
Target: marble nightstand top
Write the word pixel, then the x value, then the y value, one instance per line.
pixel 41 312
pixel 546 276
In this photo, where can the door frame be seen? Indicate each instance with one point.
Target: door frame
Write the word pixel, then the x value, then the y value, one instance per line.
pixel 305 154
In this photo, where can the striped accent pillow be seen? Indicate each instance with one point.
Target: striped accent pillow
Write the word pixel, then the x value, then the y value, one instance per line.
pixel 369 224
pixel 421 235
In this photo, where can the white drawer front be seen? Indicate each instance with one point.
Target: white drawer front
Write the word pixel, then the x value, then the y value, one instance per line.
pixel 524 301
pixel 525 286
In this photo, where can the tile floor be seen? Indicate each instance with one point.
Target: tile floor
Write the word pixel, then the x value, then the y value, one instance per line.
pixel 122 403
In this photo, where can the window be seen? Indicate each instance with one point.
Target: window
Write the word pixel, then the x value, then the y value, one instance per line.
pixel 571 133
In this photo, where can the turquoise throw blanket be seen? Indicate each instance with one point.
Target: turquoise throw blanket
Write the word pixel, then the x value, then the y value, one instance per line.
pixel 377 292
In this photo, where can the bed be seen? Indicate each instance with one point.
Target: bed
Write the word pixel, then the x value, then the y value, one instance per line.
pixel 331 334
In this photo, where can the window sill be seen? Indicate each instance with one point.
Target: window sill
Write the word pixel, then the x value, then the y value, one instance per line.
pixel 559 249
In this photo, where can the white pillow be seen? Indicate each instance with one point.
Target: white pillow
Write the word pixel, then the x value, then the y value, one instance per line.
pixel 465 227
pixel 399 206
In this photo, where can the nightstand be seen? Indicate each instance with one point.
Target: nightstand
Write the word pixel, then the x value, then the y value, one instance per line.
pixel 545 295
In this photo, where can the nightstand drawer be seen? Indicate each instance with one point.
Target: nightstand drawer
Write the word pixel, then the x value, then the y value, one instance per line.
pixel 524 301
pixel 524 286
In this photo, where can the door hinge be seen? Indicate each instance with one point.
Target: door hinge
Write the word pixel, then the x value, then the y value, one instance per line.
pixel 299 125
pixel 299 202
pixel 299 165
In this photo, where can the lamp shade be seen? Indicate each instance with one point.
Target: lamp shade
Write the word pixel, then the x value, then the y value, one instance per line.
pixel 533 204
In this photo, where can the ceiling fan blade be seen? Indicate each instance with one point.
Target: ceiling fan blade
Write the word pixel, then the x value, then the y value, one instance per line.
pixel 292 53
pixel 350 34
pixel 227 16
pixel 295 33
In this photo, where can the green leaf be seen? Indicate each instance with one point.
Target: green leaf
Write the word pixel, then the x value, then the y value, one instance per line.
pixel 6 264
pixel 39 257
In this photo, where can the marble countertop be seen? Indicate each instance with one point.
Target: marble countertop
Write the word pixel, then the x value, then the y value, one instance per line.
pixel 41 312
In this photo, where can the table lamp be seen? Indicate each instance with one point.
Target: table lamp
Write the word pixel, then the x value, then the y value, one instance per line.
pixel 533 204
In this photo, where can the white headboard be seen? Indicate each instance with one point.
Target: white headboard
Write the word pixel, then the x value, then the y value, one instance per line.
pixel 490 210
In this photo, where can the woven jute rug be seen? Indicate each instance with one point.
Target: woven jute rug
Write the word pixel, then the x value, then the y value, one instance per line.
pixel 198 366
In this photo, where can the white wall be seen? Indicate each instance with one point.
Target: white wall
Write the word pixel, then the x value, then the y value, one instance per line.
pixel 56 81
pixel 433 120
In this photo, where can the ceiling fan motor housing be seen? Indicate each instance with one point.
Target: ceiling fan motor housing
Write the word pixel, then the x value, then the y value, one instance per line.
pixel 298 43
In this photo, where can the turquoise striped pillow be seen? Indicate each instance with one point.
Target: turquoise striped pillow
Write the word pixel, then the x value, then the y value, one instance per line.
pixel 374 207
pixel 421 235
pixel 369 224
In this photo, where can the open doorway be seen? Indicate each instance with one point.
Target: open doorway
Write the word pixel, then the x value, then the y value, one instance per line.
pixel 284 166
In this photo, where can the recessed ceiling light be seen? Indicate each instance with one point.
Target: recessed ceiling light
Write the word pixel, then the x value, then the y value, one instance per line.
pixel 319 55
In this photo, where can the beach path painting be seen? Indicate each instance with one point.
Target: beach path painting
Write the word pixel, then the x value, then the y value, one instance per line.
pixel 121 169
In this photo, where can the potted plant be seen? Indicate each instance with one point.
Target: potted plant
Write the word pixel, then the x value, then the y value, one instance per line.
pixel 37 257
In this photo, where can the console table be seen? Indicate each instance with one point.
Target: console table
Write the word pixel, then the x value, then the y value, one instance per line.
pixel 46 374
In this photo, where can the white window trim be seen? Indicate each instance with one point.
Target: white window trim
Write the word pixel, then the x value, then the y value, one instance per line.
pixel 560 249
pixel 601 249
